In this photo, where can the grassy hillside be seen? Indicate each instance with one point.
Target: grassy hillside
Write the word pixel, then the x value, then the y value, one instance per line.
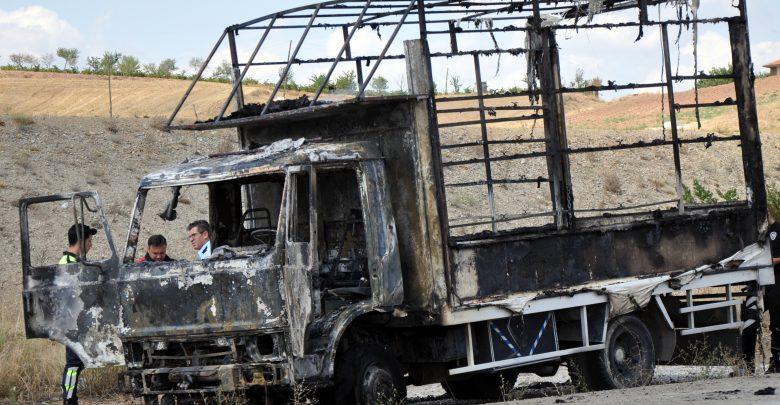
pixel 77 95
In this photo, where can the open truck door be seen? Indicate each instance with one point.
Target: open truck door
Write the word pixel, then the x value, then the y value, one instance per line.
pixel 76 304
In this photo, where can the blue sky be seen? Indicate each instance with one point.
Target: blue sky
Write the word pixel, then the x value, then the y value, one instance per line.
pixel 153 30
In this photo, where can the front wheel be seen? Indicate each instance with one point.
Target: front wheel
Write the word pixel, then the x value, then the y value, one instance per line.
pixel 368 375
pixel 627 360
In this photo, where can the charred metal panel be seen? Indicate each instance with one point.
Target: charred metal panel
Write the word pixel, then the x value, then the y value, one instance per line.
pixel 384 260
pixel 510 265
pixel 75 304
pixel 389 125
pixel 216 296
pixel 72 305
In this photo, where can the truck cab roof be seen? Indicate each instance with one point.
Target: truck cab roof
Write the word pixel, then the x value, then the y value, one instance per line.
pixel 266 159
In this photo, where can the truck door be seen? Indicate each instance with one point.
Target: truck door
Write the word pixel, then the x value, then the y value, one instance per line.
pixel 75 304
pixel 300 254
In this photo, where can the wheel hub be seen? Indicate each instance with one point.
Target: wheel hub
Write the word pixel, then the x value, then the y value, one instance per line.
pixel 377 385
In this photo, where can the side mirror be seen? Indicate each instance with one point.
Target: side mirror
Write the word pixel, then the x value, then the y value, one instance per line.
pixel 170 211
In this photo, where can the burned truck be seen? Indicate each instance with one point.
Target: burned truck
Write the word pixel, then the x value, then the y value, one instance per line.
pixel 348 262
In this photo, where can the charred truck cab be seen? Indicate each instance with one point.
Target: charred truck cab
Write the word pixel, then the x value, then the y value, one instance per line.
pixel 348 258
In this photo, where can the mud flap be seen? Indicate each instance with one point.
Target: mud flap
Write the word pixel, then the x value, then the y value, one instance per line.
pixel 76 304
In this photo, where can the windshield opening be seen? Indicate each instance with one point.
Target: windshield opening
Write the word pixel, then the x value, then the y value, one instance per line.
pixel 234 218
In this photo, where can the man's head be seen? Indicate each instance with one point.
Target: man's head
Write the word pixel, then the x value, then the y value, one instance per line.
pixel 156 247
pixel 75 235
pixel 199 232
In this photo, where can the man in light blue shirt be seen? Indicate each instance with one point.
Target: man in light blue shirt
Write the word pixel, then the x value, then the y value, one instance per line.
pixel 199 234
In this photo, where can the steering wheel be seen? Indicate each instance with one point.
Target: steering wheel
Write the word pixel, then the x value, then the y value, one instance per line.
pixel 265 236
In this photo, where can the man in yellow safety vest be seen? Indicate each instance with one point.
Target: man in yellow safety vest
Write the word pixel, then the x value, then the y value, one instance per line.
pixel 79 243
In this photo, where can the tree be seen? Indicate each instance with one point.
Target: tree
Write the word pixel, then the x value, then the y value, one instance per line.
pixel 109 61
pixel 195 63
pixel 223 72
pixel 150 69
pixel 346 81
pixel 289 79
pixel 128 65
pixel 69 55
pixel 456 84
pixel 17 59
pixel 316 82
pixel 47 60
pixel 379 84
pixel 166 67
pixel 729 70
pixel 94 64
pixel 23 60
pixel 579 80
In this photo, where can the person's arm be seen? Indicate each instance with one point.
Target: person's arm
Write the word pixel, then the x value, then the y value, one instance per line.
pixel 776 260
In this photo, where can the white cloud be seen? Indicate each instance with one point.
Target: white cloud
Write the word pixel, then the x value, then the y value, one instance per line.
pixel 36 30
pixel 765 52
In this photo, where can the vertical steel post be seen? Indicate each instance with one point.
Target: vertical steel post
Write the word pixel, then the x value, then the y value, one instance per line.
pixel 485 143
pixel 555 131
pixel 752 158
pixel 358 67
pixel 236 70
pixel 673 118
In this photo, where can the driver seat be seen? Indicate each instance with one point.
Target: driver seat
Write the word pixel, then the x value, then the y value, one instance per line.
pixel 261 218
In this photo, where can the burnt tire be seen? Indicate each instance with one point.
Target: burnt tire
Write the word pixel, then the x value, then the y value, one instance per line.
pixel 627 360
pixel 367 375
pixel 481 386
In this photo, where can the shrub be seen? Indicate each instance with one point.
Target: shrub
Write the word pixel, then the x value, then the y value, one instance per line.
pixel 773 201
pixel 717 82
pixel 702 195
pixel 612 184
pixel 22 120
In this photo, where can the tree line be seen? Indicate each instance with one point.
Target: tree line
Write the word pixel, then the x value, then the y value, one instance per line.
pixel 118 64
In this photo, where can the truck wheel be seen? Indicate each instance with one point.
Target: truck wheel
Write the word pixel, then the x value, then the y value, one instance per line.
pixel 154 400
pixel 481 386
pixel 367 375
pixel 628 359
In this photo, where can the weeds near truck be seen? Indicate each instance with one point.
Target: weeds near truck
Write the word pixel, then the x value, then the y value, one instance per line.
pixel 303 394
pixel 22 120
pixel 22 159
pixel 773 201
pixel 612 184
pixel 712 360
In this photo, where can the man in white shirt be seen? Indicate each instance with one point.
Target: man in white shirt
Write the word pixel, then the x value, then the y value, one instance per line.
pixel 199 234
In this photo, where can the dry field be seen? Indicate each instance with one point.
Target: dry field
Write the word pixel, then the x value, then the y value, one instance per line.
pixel 53 138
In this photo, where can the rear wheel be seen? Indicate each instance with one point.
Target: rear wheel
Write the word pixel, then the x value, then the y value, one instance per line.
pixel 628 359
pixel 481 386
pixel 368 375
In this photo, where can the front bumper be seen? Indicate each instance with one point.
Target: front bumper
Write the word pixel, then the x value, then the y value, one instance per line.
pixel 203 380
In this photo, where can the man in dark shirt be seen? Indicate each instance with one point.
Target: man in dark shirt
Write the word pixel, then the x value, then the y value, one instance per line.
pixel 156 248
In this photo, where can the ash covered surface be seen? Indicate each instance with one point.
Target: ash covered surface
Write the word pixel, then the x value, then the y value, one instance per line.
pixel 254 109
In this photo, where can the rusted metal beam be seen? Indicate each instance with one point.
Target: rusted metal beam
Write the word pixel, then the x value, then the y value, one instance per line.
pixel 555 130
pixel 236 69
pixel 485 141
pixel 490 121
pixel 673 118
pixel 752 158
